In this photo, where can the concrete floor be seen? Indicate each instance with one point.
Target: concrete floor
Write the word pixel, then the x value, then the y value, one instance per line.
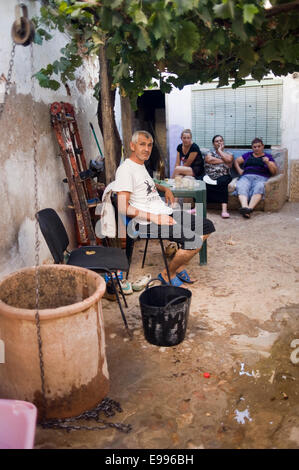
pixel 244 315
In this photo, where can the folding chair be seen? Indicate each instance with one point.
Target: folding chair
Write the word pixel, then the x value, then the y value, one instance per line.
pixel 96 258
pixel 130 241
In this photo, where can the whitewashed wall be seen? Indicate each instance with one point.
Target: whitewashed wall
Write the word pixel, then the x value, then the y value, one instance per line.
pixel 290 115
pixel 17 222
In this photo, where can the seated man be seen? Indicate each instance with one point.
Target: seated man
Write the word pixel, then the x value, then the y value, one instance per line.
pixel 138 198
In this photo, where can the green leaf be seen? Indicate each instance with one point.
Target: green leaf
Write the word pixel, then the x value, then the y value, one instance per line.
pixel 187 40
pixel 224 9
pixel 249 12
pixel 140 17
pixel 37 38
pixel 143 39
pixel 160 54
pixel 238 29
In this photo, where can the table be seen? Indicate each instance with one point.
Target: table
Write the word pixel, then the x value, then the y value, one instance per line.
pixel 198 193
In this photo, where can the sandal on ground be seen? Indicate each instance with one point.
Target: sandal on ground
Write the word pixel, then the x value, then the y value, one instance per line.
pixel 175 281
pixel 245 210
pixel 141 283
pixel 225 215
pixel 126 287
pixel 184 276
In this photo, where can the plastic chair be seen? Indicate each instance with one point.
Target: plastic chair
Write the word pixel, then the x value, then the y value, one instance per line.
pixel 96 258
pixel 17 424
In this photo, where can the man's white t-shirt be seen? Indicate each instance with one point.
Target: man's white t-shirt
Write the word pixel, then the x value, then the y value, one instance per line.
pixel 134 178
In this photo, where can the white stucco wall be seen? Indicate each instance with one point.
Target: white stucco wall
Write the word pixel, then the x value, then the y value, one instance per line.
pixel 290 115
pixel 17 222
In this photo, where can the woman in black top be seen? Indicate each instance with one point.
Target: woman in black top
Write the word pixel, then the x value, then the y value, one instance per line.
pixel 189 161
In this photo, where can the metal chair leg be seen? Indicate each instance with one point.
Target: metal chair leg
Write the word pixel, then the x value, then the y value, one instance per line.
pixel 121 291
pixel 165 259
pixel 144 253
pixel 121 309
pixel 129 252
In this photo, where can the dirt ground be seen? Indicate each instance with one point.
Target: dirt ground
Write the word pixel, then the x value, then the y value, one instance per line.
pixel 244 315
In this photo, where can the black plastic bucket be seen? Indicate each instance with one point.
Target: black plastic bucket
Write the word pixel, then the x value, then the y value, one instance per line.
pixel 165 312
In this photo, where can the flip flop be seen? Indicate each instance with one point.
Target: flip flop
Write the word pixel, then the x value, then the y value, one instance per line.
pixel 184 276
pixel 175 281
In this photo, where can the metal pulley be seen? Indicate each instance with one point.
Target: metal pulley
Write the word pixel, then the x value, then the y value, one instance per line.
pixel 22 30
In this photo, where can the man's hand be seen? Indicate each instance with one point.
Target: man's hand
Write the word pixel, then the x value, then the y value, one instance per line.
pixel 169 197
pixel 163 219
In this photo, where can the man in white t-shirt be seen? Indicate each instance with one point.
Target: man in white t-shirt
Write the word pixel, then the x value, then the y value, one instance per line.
pixel 138 198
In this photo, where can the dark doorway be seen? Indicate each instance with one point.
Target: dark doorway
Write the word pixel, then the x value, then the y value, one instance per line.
pixel 150 116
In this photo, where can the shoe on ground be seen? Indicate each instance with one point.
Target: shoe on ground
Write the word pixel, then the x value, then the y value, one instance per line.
pixel 109 292
pixel 209 180
pixel 225 215
pixel 141 283
pixel 126 287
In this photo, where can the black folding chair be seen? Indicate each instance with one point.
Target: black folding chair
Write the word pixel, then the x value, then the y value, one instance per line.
pixel 96 258
pixel 130 241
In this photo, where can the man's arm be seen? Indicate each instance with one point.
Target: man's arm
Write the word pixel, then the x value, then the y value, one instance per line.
pixel 125 208
pixel 169 197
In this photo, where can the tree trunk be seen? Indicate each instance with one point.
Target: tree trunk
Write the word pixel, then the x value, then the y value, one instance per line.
pixel 127 124
pixel 109 129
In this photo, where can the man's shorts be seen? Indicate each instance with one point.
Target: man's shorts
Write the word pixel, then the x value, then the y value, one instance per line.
pixel 187 231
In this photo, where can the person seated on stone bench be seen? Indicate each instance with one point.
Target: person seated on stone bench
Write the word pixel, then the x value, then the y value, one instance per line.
pixel 138 198
pixel 257 167
pixel 189 160
pixel 217 168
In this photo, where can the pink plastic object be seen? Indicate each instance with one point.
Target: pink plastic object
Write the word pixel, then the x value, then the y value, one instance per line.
pixel 17 424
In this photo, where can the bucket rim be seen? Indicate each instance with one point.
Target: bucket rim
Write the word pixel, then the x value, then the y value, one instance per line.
pixel 54 313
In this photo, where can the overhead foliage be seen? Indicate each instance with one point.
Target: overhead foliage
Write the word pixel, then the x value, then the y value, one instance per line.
pixel 177 42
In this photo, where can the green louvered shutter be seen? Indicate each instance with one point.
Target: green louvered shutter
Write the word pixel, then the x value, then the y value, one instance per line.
pixel 239 115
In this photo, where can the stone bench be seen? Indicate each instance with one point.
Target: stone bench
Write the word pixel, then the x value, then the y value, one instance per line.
pixel 276 187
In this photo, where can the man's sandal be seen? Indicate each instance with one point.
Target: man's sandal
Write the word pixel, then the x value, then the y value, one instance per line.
pixel 184 276
pixel 175 281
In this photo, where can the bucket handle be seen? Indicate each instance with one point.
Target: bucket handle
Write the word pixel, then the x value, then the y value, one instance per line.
pixel 151 280
pixel 175 300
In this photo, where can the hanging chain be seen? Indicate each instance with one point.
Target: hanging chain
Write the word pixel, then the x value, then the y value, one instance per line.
pixel 37 243
pixel 8 80
pixel 107 406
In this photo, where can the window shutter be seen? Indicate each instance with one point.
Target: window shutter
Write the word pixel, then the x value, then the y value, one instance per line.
pixel 239 115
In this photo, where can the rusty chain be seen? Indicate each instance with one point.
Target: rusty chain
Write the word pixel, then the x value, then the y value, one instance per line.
pixel 8 80
pixel 107 406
